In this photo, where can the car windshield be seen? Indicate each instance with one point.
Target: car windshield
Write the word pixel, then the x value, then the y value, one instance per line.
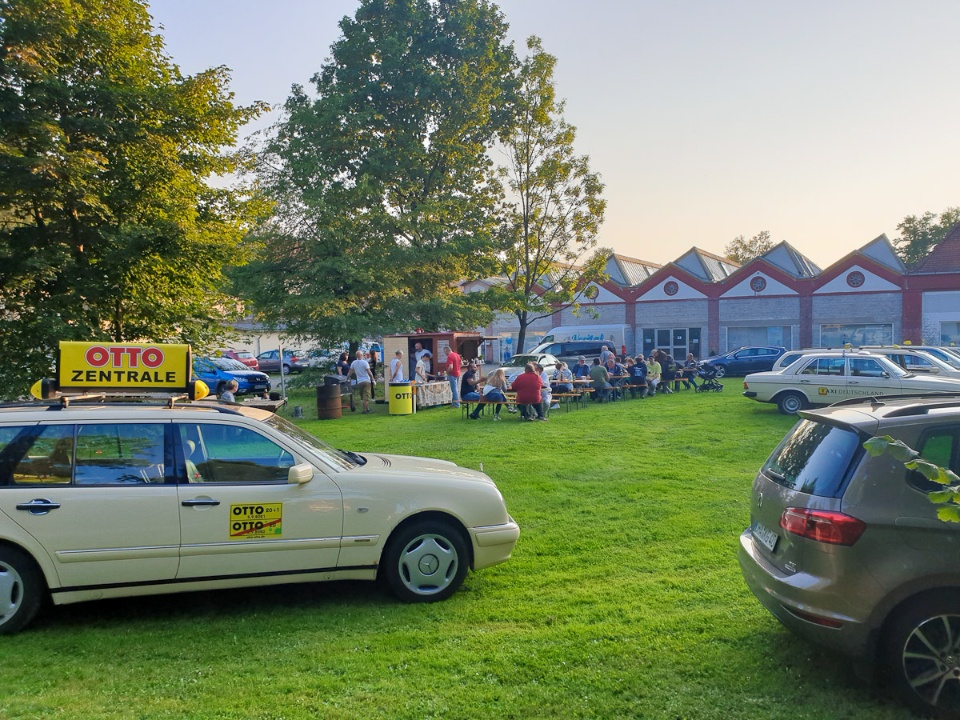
pixel 244 355
pixel 521 360
pixel 225 363
pixel 813 458
pixel 314 445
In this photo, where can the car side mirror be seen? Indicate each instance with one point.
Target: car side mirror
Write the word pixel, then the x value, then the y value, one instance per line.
pixel 300 474
pixel 884 374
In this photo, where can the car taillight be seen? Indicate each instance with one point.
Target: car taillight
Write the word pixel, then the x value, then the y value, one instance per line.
pixel 822 525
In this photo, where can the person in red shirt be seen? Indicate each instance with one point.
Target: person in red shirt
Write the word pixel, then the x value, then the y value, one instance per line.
pixel 527 386
pixel 453 376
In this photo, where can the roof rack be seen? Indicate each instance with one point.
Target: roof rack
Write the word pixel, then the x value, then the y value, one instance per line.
pixel 180 401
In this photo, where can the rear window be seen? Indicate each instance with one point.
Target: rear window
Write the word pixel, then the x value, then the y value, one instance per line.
pixel 814 458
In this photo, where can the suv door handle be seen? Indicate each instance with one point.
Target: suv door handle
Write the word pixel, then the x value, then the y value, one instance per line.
pixel 200 501
pixel 38 506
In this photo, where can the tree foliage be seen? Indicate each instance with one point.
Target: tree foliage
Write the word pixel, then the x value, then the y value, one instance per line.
pixel 554 205
pixel 381 182
pixel 947 498
pixel 108 229
pixel 919 235
pixel 741 250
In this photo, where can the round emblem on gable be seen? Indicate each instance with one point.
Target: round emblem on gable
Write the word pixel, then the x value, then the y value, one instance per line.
pixel 758 284
pixel 671 288
pixel 855 279
pixel 591 292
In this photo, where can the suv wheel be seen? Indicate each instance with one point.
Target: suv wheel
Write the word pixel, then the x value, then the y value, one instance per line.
pixel 20 590
pixel 922 654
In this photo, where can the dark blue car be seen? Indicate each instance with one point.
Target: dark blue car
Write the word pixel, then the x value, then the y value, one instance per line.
pixel 217 372
pixel 745 360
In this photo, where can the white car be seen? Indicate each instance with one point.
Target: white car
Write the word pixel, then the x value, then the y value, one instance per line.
pixel 823 378
pixel 101 500
pixel 513 367
pixel 909 358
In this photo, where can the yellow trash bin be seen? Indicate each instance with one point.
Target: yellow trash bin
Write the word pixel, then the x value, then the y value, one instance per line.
pixel 400 398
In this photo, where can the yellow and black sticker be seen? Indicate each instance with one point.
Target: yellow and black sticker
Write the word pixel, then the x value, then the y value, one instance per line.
pixel 823 391
pixel 256 522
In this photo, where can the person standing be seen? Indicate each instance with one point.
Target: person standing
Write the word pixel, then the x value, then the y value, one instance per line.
pixel 360 369
pixel 396 368
pixel 453 375
pixel 604 354
pixel 343 365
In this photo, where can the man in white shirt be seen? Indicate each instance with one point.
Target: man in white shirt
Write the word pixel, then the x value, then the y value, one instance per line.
pixel 396 368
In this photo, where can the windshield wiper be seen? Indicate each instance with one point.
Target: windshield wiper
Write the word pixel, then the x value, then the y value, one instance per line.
pixel 357 458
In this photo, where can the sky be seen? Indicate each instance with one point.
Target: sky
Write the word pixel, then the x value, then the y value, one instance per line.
pixel 824 122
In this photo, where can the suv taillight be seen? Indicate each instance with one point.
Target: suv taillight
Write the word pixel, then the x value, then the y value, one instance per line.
pixel 822 525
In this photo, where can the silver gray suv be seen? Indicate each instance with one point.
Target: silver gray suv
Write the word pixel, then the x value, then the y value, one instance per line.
pixel 846 549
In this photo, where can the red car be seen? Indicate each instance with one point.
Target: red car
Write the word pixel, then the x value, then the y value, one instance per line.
pixel 244 356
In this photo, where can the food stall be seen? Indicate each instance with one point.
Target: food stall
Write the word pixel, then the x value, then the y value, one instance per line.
pixel 437 391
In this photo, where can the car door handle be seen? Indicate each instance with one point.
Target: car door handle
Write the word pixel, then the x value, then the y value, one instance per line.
pixel 200 501
pixel 853 382
pixel 38 506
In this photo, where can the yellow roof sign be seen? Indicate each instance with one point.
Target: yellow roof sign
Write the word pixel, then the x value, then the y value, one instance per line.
pixel 123 366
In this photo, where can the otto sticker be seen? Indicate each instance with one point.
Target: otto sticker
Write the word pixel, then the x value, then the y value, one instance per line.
pixel 256 522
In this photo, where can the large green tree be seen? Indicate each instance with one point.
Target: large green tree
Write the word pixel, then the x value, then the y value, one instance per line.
pixel 918 235
pixel 381 179
pixel 108 227
pixel 554 205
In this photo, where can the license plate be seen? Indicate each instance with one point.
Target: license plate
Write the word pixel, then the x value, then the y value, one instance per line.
pixel 766 537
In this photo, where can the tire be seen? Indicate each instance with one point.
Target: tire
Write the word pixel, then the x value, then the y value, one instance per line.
pixel 721 371
pixel 791 403
pixel 21 590
pixel 425 562
pixel 920 654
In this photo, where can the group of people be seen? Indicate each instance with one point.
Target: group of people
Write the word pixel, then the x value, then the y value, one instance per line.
pixel 643 376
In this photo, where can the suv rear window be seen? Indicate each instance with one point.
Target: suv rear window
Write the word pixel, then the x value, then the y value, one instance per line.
pixel 814 458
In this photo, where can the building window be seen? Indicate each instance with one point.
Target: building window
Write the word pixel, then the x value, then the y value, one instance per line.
pixel 950 333
pixel 758 284
pixel 856 334
pixel 775 336
pixel 855 279
pixel 671 288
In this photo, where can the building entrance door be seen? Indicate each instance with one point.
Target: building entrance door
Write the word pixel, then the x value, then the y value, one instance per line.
pixel 676 341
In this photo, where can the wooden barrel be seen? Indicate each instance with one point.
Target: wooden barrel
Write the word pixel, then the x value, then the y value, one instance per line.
pixel 328 402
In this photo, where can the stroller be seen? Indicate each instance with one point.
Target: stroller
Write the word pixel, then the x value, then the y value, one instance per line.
pixel 708 373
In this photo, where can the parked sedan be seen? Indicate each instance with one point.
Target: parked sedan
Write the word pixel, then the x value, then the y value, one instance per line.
pixel 292 362
pixel 827 377
pixel 745 360
pixel 164 498
pixel 244 356
pixel 217 372
pixel 513 367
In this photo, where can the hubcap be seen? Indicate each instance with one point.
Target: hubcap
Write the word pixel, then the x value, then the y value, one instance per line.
pixel 428 564
pixel 931 661
pixel 11 592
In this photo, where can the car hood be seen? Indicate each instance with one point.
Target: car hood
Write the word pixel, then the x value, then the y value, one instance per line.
pixel 411 465
pixel 248 374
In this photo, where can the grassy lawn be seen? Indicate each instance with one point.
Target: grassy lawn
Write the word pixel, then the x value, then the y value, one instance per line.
pixel 623 599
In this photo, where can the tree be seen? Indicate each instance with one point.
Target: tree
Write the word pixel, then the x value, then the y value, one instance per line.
pixel 554 207
pixel 741 251
pixel 108 229
pixel 382 183
pixel 918 236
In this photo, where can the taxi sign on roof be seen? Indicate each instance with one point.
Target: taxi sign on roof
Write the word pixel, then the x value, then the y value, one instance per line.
pixel 123 366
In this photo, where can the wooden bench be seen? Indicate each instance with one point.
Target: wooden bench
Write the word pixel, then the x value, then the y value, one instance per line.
pixel 465 404
pixel 575 397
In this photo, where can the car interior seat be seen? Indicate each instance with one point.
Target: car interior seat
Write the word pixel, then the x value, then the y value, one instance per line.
pixel 193 474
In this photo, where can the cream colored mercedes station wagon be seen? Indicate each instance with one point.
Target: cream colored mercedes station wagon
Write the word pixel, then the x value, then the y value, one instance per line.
pixel 101 500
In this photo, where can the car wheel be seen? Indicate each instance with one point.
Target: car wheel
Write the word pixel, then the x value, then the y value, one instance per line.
pixel 791 403
pixel 921 655
pixel 425 562
pixel 721 370
pixel 21 590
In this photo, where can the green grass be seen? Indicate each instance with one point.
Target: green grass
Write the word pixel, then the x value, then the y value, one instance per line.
pixel 623 599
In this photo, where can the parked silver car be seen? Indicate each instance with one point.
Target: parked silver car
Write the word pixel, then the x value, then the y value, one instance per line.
pixel 846 549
